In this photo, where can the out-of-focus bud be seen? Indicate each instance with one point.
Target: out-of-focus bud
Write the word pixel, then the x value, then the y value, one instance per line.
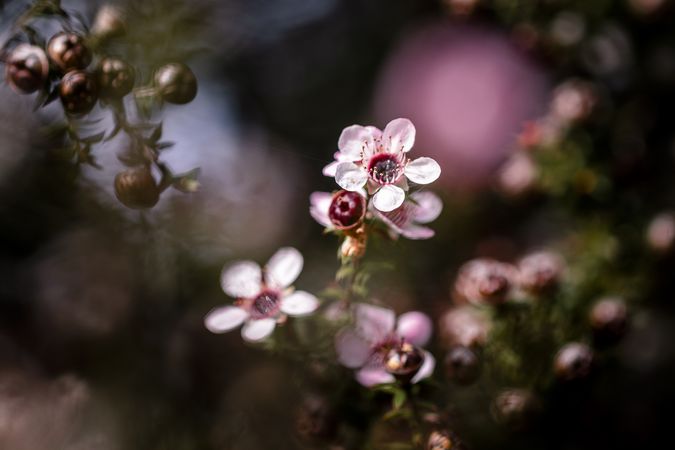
pixel 136 188
pixel 461 7
pixel 573 101
pixel 27 68
pixel 176 83
pixel 646 7
pixel 462 365
pixel 315 419
pixel 568 28
pixel 68 51
pixel 354 245
pixel 347 209
pixel 515 408
pixel 403 361
pixel 78 92
pixel 109 22
pixel 485 281
pixel 609 321
pixel 463 326
pixel 661 232
pixel 573 362
pixel 517 176
pixel 115 78
pixel 443 440
pixel 540 272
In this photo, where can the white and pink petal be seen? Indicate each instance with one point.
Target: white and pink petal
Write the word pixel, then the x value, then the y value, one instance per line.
pixel 374 323
pixel 241 279
pixel 427 369
pixel 352 349
pixel 388 198
pixel 350 177
pixel 415 327
pixel 319 202
pixel 422 170
pixel 399 136
pixel 372 376
pixel 225 318
pixel 299 303
pixel 427 206
pixel 257 330
pixel 284 267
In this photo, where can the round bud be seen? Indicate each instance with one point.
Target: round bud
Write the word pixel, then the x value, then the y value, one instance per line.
pixel 136 188
pixel 515 408
pixel 462 365
pixel 109 22
pixel 485 281
pixel 176 83
pixel 403 361
pixel 68 51
pixel 346 209
pixel 27 68
pixel 573 101
pixel 540 272
pixel 573 362
pixel 609 321
pixel 518 175
pixel 661 232
pixel 115 78
pixel 442 440
pixel 463 326
pixel 78 92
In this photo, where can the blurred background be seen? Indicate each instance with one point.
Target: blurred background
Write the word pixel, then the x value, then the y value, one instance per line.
pixel 102 343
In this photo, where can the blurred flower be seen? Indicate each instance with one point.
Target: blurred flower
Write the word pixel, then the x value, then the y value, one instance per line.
pixel 465 326
pixel 377 159
pixel 383 348
pixel 568 28
pixel 263 296
pixel 574 361
pixel 661 232
pixel 468 89
pixel 646 7
pixel 485 281
pixel 540 271
pixel 518 175
pixel 609 320
pixel 515 408
pixel 573 101
pixel 462 365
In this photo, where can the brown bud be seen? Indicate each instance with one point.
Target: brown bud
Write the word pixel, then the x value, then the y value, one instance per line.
pixel 27 68
pixel 462 365
pixel 574 361
pixel 403 361
pixel 463 326
pixel 136 188
pixel 78 92
pixel 176 83
pixel 485 281
pixel 68 51
pixel 540 272
pixel 609 321
pixel 515 408
pixel 115 78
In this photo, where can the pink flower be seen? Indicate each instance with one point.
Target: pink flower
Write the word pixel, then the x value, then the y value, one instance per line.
pixel 263 296
pixel 380 347
pixel 377 159
pixel 420 208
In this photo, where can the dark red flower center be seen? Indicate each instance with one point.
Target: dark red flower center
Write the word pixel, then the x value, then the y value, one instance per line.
pixel 385 168
pixel 346 209
pixel 266 304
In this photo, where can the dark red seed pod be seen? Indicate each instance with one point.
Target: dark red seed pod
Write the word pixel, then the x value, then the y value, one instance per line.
pixel 78 91
pixel 136 188
pixel 116 78
pixel 462 365
pixel 176 83
pixel 27 68
pixel 573 362
pixel 68 51
pixel 347 210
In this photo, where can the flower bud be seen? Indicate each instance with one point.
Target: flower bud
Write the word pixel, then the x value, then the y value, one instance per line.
pixel 403 361
pixel 609 321
pixel 515 408
pixel 573 101
pixel 443 440
pixel 661 233
pixel 485 281
pixel 540 272
pixel 27 68
pixel 68 51
pixel 354 246
pixel 109 22
pixel 347 209
pixel 78 92
pixel 136 188
pixel 462 365
pixel 517 176
pixel 573 362
pixel 464 326
pixel 176 83
pixel 115 78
